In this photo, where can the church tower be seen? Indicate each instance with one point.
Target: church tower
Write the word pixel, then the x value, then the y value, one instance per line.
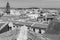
pixel 8 8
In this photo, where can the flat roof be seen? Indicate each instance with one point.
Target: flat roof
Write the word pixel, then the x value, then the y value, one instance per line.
pixel 40 26
pixel 36 25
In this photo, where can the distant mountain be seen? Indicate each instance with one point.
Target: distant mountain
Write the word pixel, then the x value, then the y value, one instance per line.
pixel 34 8
pixel 31 8
pixel 52 8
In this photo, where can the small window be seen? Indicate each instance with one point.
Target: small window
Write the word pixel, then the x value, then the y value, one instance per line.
pixel 10 28
pixel 13 26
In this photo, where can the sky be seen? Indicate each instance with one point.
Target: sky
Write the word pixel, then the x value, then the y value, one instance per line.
pixel 31 3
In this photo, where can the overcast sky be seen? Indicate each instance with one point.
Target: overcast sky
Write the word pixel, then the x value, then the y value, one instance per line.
pixel 31 3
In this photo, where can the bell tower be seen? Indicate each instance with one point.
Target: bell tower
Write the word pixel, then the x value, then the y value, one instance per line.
pixel 7 8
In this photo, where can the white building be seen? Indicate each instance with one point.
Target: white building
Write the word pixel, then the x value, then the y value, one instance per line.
pixel 14 12
pixel 36 11
pixel 33 16
pixel 29 11
pixel 12 26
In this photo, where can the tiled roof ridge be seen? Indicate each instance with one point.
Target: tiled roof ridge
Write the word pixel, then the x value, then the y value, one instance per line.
pixel 4 25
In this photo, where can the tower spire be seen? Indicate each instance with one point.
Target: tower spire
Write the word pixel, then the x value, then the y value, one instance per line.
pixel 7 8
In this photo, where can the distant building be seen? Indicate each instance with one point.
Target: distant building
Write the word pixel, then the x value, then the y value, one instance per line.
pixel 8 8
pixel 33 16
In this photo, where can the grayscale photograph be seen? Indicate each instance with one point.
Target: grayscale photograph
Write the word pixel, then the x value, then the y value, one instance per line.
pixel 29 19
